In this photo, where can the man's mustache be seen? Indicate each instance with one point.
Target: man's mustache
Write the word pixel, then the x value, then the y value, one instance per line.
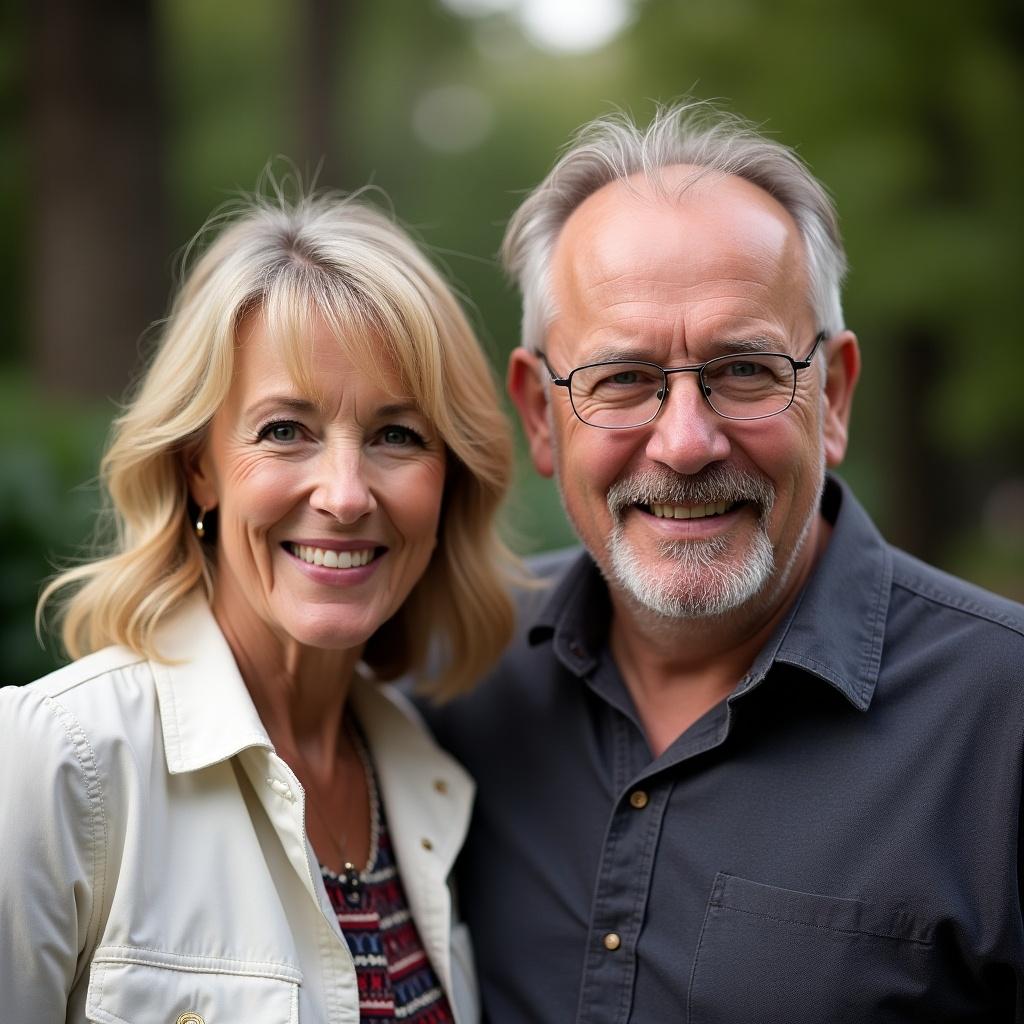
pixel 710 485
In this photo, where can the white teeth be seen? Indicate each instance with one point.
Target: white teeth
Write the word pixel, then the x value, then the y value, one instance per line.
pixel 331 558
pixel 689 511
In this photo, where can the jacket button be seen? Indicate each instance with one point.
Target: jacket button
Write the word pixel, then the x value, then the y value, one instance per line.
pixel 638 799
pixel 190 1018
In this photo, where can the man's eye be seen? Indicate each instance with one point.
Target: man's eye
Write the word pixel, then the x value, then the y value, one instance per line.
pixel 745 369
pixel 623 377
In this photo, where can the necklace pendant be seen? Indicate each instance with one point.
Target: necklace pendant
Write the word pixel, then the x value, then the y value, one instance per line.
pixel 351 884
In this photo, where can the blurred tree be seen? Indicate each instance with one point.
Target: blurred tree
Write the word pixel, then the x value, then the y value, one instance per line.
pixel 98 248
pixel 323 28
pixel 456 108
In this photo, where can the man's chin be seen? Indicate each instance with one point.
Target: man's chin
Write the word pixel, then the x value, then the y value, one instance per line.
pixel 693 581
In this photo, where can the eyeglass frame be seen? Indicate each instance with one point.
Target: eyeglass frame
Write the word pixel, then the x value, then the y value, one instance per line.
pixel 697 368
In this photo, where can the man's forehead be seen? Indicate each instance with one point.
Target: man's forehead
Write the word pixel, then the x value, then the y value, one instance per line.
pixel 682 194
pixel 637 226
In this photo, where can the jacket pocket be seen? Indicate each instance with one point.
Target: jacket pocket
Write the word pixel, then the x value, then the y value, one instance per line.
pixel 779 955
pixel 129 985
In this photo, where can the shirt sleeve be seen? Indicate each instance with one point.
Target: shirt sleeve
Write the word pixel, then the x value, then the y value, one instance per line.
pixel 51 868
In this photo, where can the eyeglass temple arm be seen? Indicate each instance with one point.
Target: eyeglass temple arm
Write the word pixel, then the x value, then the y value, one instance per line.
pixel 802 364
pixel 562 382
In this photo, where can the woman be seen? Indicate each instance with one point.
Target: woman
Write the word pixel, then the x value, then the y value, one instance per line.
pixel 216 814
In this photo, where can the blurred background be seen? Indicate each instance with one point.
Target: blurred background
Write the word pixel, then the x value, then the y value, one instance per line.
pixel 123 124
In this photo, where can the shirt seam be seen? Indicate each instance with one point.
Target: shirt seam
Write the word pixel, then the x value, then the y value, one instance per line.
pixel 820 927
pixel 967 607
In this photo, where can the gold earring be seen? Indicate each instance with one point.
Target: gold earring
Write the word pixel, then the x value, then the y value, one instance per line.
pixel 199 527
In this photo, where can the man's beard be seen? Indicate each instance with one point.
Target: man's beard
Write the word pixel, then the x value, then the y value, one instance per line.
pixel 693 578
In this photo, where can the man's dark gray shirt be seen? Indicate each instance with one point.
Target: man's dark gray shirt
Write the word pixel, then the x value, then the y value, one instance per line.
pixel 838 841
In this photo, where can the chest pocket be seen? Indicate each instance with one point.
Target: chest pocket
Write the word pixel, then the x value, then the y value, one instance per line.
pixel 128 985
pixel 779 956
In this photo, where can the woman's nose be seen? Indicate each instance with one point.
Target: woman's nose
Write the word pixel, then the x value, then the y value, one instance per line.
pixel 342 489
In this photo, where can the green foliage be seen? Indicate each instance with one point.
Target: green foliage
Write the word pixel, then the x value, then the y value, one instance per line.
pixel 907 112
pixel 48 455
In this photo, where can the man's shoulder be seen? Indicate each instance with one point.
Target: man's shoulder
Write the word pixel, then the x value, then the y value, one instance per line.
pixel 950 596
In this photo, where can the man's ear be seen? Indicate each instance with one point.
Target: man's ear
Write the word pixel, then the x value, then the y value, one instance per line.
pixel 526 388
pixel 843 355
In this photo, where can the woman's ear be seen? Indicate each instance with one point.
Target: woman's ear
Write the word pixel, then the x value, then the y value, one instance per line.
pixel 843 355
pixel 529 395
pixel 202 483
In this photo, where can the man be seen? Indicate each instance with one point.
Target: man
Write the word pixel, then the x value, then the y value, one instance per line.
pixel 746 762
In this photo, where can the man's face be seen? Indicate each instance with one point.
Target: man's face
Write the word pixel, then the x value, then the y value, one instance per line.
pixel 691 514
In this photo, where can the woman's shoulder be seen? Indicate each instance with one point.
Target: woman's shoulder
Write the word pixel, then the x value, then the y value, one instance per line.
pixel 110 693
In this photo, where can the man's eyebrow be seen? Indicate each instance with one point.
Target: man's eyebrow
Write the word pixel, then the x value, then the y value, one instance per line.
pixel 758 343
pixel 723 346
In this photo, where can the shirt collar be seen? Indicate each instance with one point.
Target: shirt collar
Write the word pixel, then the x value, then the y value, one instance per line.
pixel 834 631
pixel 837 627
pixel 206 712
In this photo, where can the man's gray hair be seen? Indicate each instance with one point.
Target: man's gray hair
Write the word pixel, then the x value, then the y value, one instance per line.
pixel 693 132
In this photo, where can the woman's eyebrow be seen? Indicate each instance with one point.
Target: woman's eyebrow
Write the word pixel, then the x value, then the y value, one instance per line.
pixel 285 402
pixel 399 409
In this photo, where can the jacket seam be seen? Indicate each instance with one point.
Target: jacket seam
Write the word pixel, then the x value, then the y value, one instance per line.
pixel 285 974
pixel 85 757
pixel 103 958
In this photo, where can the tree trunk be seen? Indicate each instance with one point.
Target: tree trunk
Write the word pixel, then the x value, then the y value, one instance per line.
pixel 99 260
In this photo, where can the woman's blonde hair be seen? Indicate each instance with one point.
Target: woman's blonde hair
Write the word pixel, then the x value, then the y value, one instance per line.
pixel 293 260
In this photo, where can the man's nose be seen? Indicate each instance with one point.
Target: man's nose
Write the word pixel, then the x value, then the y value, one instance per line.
pixel 342 489
pixel 687 434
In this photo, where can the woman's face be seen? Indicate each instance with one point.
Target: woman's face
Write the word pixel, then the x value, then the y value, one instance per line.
pixel 327 508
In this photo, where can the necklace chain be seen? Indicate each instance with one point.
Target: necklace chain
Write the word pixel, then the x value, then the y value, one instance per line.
pixel 350 877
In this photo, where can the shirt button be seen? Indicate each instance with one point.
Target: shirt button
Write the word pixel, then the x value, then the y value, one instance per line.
pixel 638 799
pixel 612 942
pixel 426 843
pixel 440 785
pixel 190 1018
pixel 576 649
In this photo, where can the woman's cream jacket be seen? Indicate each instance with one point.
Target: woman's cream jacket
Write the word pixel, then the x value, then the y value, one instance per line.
pixel 155 863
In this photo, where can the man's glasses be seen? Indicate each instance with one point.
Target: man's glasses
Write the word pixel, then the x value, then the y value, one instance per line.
pixel 621 393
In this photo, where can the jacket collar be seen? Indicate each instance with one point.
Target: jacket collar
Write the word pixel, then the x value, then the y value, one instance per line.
pixel 834 631
pixel 206 712
pixel 207 716
pixel 419 782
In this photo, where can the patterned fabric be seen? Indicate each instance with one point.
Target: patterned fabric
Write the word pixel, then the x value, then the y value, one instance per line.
pixel 397 984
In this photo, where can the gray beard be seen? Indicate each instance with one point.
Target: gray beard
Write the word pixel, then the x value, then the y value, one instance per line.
pixel 693 579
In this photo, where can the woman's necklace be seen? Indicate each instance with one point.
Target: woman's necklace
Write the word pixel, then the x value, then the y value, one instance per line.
pixel 350 878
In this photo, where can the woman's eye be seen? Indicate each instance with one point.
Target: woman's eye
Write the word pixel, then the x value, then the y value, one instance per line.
pixel 397 435
pixel 283 432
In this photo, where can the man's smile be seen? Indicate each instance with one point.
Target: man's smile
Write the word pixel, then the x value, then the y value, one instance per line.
pixel 670 511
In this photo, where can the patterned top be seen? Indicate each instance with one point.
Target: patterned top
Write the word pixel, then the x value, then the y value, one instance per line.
pixel 397 984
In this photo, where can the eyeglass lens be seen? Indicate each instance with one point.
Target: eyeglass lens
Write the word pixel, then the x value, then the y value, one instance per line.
pixel 624 394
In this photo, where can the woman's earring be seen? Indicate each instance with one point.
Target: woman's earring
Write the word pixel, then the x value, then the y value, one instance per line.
pixel 199 527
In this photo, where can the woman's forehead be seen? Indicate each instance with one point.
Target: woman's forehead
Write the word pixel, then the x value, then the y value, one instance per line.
pixel 312 358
